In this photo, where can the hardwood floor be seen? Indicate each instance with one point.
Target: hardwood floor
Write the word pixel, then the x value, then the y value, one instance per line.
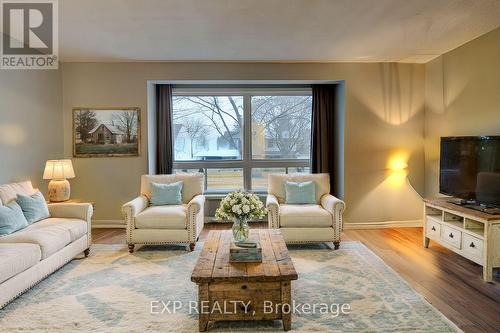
pixel 451 283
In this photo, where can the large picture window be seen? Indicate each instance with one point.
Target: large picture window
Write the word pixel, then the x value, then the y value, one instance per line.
pixel 237 136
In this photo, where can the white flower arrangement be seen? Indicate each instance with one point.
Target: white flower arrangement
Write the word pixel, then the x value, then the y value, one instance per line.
pixel 240 205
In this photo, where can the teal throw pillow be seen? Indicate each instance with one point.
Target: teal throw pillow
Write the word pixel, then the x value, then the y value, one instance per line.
pixel 300 193
pixel 34 207
pixel 166 194
pixel 11 218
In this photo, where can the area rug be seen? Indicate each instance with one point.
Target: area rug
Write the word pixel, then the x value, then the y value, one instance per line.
pixel 114 291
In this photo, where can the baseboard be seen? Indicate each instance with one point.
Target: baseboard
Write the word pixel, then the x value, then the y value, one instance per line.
pixel 382 224
pixel 108 224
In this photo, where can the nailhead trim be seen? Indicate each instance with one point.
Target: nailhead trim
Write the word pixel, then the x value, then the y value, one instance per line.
pixel 35 283
pixel 306 242
pixel 158 243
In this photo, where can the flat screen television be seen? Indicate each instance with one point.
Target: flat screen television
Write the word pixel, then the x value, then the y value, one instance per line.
pixel 470 169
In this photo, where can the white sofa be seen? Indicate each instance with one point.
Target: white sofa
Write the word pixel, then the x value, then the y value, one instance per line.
pixel 31 254
pixel 309 223
pixel 169 224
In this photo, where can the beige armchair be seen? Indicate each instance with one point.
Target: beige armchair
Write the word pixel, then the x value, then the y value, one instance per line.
pixel 169 224
pixel 309 223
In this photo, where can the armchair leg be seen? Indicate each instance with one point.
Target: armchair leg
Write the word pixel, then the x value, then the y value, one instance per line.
pixel 336 245
pixel 191 246
pixel 131 248
pixel 86 252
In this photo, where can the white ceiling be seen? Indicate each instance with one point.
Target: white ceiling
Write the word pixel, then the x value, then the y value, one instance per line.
pixel 270 30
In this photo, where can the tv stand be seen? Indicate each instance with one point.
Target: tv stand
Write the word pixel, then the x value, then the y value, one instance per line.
pixel 471 204
pixel 471 233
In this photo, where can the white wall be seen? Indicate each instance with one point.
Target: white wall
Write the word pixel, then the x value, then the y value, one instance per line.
pixel 30 123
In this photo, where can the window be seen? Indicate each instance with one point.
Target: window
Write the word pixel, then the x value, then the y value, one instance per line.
pixel 207 127
pixel 281 127
pixel 237 136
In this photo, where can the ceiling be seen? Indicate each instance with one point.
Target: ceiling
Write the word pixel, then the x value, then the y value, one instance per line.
pixel 270 30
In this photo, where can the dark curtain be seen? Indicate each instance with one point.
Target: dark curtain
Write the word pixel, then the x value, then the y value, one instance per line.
pixel 164 127
pixel 323 131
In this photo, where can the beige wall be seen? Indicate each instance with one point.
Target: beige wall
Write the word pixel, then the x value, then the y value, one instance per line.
pixel 30 123
pixel 384 116
pixel 462 98
pixel 384 119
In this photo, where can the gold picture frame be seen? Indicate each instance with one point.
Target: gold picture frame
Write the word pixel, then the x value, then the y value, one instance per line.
pixel 106 132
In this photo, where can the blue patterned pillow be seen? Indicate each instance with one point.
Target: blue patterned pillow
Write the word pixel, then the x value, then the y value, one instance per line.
pixel 300 193
pixel 34 207
pixel 11 218
pixel 166 194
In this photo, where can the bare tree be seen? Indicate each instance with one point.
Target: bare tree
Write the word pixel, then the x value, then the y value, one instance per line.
pixel 284 119
pixel 126 122
pixel 221 118
pixel 85 121
pixel 196 130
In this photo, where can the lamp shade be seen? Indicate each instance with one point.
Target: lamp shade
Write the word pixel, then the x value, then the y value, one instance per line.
pixel 58 169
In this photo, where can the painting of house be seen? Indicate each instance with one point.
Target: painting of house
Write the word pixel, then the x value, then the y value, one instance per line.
pixel 106 132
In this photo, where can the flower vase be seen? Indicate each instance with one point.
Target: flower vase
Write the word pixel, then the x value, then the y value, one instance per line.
pixel 241 230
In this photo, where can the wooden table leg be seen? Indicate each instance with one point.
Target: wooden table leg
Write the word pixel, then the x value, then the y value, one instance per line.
pixel 488 251
pixel 286 301
pixel 487 273
pixel 202 303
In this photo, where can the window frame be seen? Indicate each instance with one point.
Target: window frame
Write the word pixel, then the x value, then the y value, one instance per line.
pixel 247 163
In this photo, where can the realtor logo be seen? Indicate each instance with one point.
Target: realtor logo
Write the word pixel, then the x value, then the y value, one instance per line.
pixel 29 34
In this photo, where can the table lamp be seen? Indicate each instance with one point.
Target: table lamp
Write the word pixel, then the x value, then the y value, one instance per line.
pixel 58 171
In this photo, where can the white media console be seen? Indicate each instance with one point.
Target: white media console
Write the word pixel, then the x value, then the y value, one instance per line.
pixel 472 234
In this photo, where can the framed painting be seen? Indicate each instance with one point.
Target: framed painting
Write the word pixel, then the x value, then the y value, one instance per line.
pixel 106 132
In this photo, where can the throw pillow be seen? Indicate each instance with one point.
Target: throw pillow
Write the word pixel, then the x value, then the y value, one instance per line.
pixel 300 193
pixel 11 218
pixel 34 207
pixel 166 194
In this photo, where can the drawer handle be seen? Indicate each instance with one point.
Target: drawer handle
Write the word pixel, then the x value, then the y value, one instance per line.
pixel 451 235
pixel 433 229
pixel 472 244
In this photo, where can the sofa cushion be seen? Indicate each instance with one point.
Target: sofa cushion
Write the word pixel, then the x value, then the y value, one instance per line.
pixel 9 192
pixel 50 237
pixel 162 217
pixel 166 194
pixel 300 193
pixel 76 227
pixel 297 216
pixel 193 184
pixel 276 184
pixel 34 206
pixel 16 258
pixel 11 218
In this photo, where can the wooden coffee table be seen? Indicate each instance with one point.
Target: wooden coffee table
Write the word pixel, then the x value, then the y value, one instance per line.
pixel 244 291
